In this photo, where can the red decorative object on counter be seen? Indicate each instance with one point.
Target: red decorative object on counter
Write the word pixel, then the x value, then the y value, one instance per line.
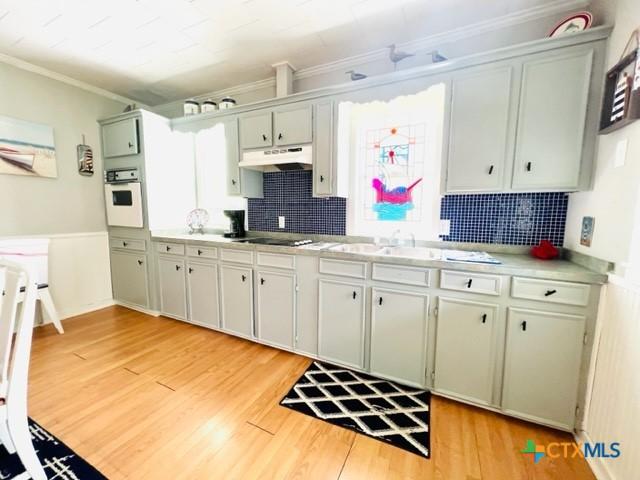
pixel 545 250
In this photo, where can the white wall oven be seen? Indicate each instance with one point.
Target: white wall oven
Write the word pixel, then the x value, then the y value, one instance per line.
pixel 123 198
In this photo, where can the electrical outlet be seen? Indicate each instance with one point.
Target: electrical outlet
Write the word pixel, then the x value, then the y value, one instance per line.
pixel 586 235
pixel 280 222
pixel 445 227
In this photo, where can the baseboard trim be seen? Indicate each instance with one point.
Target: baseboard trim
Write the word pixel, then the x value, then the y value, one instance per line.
pixel 153 313
pixel 74 312
pixel 597 465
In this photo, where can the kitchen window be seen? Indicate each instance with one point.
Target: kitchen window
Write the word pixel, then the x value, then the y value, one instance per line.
pixel 395 153
pixel 211 174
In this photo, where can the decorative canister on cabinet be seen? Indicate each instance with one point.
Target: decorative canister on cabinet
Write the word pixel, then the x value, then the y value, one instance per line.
pixel 208 106
pixel 227 102
pixel 191 107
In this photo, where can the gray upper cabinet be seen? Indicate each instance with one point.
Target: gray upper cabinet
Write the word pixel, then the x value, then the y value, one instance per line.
pixel 293 126
pixel 236 291
pixel 256 130
pixel 120 138
pixel 173 294
pixel 323 151
pixel 130 278
pixel 276 307
pixel 202 280
pixel 551 121
pixel 240 181
pixel 481 123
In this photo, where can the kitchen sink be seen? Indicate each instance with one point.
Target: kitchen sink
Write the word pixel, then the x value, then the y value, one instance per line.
pixel 364 248
pixel 412 252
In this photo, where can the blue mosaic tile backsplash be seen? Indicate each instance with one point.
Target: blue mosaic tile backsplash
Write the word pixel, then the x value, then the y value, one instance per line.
pixel 288 194
pixel 510 218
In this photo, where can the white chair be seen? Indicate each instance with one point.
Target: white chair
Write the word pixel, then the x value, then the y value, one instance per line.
pixel 15 351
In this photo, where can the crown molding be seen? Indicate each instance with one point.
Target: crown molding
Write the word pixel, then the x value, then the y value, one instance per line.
pixel 30 67
pixel 431 41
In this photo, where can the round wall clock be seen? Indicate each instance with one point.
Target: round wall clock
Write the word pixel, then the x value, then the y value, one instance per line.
pixel 573 24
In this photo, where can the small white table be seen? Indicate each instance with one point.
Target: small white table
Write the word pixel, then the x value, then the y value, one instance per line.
pixel 33 254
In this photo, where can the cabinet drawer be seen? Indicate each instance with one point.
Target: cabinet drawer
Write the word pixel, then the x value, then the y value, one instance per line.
pixel 277 260
pixel 202 252
pixel 133 244
pixel 406 275
pixel 170 248
pixel 343 268
pixel 549 291
pixel 237 256
pixel 470 282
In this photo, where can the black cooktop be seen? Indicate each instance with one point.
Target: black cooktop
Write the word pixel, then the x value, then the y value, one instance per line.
pixel 286 242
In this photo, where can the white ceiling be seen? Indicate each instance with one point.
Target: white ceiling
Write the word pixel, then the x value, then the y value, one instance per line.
pixel 157 51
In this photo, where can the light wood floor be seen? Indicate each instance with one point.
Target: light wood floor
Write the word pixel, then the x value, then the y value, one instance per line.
pixel 151 398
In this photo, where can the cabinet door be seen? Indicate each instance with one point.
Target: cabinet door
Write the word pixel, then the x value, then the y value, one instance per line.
pixel 236 290
pixel 399 335
pixel 173 292
pixel 232 152
pixel 276 307
pixel 323 166
pixel 464 363
pixel 204 306
pixel 341 323
pixel 542 365
pixel 293 126
pixel 479 146
pixel 255 130
pixel 551 123
pixel 120 138
pixel 129 278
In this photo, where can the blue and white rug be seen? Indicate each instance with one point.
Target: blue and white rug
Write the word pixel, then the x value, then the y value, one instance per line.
pixel 58 460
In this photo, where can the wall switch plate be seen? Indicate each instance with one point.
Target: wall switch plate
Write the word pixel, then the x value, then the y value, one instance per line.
pixel 621 153
pixel 445 227
pixel 586 235
pixel 280 222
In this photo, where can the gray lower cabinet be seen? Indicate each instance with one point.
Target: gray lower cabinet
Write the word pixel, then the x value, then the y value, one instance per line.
pixel 542 364
pixel 399 335
pixel 202 283
pixel 464 361
pixel 236 290
pixel 130 278
pixel 341 322
pixel 276 308
pixel 173 297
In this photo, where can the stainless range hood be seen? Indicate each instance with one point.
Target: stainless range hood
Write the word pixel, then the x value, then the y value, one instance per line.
pixel 274 159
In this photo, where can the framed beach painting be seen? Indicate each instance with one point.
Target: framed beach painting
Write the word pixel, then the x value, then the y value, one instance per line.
pixel 27 148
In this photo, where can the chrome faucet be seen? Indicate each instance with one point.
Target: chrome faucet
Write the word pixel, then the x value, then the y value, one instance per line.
pixel 395 242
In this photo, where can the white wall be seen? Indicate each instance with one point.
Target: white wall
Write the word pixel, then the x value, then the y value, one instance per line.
pixel 70 208
pixel 613 200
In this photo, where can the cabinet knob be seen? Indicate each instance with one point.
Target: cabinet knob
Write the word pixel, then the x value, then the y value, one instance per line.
pixel 321 178
pixel 168 248
pixel 124 244
pixel 490 169
pixel 280 136
pixel 484 318
pixel 524 326
pixel 469 283
pixel 130 145
pixel 244 277
pixel 548 293
pixel 199 252
pixel 264 137
pixel 233 182
pixel 262 281
pixel 140 262
pixel 528 166
pixel 190 270
pixel 177 267
pixel 354 295
pixel 380 301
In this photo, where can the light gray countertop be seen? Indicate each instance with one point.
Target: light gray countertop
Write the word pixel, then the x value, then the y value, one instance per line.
pixel 515 260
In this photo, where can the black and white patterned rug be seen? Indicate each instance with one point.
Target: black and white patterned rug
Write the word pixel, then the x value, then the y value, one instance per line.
pixel 58 460
pixel 377 408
